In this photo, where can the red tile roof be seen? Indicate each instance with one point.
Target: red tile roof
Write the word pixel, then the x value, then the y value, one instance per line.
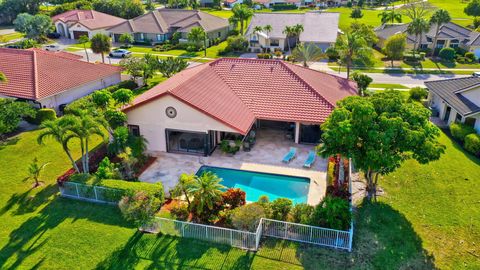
pixel 36 74
pixel 237 91
pixel 89 18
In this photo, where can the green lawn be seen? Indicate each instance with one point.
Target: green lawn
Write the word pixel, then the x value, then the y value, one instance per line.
pixel 455 8
pixel 10 37
pixel 387 85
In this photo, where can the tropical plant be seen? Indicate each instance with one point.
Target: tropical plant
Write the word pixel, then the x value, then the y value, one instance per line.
pixel 182 187
pixel 379 133
pixel 247 217
pixel 100 43
pixel 418 93
pixel 128 161
pixel 366 31
pixel 297 30
pixel 134 66
pixel 123 96
pixel 417 27
pixel 101 98
pixel 352 46
pixel 241 14
pixel 196 36
pixel 34 26
pixel 106 169
pixel 34 171
pixel 206 191
pixel 438 18
pixel 257 29
pixel 170 66
pixel 308 53
pixel 390 16
pixel 115 118
pixel 332 212
pixel 119 141
pixel 58 130
pixel 84 40
pixel 363 81
pixel 234 197
pixel 301 213
pixel 395 46
pixel 268 28
pixel 127 39
pixel 289 32
pixel 150 66
pixel 3 78
pixel 356 13
pixel 11 113
pixel 139 208
pixel 281 208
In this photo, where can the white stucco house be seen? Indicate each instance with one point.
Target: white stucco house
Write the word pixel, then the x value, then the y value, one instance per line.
pixel 75 23
pixel 196 109
pixel 456 100
pixel 320 28
pixel 51 79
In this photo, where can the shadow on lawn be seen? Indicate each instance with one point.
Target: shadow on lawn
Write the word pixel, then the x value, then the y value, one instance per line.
pixel 29 237
pixel 383 239
pixel 29 201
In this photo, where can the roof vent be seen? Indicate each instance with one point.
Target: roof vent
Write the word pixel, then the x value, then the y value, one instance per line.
pixel 233 65
pixel 271 69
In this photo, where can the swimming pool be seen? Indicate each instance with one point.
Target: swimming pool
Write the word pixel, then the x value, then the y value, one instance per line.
pixel 256 184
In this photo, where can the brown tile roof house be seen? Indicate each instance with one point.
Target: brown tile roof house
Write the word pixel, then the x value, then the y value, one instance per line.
pixel 52 78
pixel 238 91
pixel 158 25
pixel 75 23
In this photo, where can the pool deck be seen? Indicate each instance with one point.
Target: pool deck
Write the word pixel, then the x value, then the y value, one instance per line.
pixel 265 157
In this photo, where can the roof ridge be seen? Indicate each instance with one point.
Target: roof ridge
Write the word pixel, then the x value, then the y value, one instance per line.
pixel 35 75
pixel 154 13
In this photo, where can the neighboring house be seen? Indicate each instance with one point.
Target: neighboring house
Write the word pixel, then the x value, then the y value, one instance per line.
pixel 320 28
pixel 456 100
pixel 50 79
pixel 451 35
pixel 75 23
pixel 198 107
pixel 158 25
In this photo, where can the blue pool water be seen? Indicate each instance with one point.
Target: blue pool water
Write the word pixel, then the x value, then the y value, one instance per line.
pixel 256 184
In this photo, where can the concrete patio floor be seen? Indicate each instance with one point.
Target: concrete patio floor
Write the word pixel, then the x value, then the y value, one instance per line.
pixel 266 156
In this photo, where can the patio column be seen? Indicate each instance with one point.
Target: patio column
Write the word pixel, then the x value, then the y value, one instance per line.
pixel 297 132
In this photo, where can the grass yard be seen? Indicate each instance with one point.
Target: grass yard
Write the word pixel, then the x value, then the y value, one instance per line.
pixel 455 8
pixel 10 37
pixel 387 85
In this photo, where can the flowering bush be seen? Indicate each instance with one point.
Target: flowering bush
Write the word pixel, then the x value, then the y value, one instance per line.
pixel 234 197
pixel 139 208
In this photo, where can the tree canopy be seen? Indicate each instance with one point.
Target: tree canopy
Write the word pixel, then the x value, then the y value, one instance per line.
pixel 11 114
pixel 473 8
pixel 379 133
pixel 395 46
pixel 34 26
pixel 101 44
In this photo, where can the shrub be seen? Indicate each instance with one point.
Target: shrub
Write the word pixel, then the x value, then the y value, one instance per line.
pixel 470 56
pixel 459 131
pixel 476 22
pixel 234 197
pixel 472 143
pixel 247 217
pixel 42 115
pixel 301 213
pixel 128 84
pixel 447 54
pixel 106 169
pixel 123 96
pixel 264 201
pixel 332 53
pixel 333 213
pixel 264 56
pixel 418 93
pixel 180 212
pixel 236 44
pixel 282 6
pixel 410 57
pixel 230 148
pixel 102 97
pixel 163 47
pixel 233 32
pixel 115 118
pixel 139 208
pixel 281 208
pixel 278 53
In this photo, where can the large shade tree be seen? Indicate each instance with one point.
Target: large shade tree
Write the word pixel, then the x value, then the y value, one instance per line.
pixel 379 133
pixel 395 46
pixel 34 26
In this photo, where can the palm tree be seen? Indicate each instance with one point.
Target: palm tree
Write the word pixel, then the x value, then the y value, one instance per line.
pixel 84 40
pixel 3 78
pixel 297 29
pixel 289 32
pixel 206 190
pixel 101 44
pixel 438 18
pixel 308 53
pixel 417 27
pixel 257 29
pixel 352 46
pixel 268 28
pixel 241 13
pixel 34 170
pixel 196 36
pixel 182 187
pixel 59 131
pixel 390 16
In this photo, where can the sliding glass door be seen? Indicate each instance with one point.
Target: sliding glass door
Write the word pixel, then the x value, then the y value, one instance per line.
pixel 197 143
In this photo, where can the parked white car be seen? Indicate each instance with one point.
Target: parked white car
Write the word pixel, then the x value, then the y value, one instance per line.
pixel 52 48
pixel 120 53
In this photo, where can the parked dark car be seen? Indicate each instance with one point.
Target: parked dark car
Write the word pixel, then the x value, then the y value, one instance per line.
pixel 53 35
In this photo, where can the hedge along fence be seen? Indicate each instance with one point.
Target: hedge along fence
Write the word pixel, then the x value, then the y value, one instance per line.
pixel 86 187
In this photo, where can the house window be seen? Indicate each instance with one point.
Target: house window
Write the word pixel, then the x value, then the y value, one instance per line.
pixel 469 121
pixel 429 39
pixel 423 46
pixel 141 36
pixel 454 43
pixel 274 42
pixel 219 34
pixel 159 37
pixel 134 130
pixel 458 118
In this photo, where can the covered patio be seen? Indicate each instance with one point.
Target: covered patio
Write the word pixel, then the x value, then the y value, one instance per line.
pixel 265 156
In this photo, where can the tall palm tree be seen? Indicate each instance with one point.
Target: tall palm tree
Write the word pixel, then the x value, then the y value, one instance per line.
pixel 297 29
pixel 390 16
pixel 352 46
pixel 3 78
pixel 257 29
pixel 438 18
pixel 59 131
pixel 206 190
pixel 308 53
pixel 101 44
pixel 268 28
pixel 289 32
pixel 241 13
pixel 84 40
pixel 417 27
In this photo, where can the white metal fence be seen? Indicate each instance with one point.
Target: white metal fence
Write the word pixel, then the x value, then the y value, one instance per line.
pixel 90 193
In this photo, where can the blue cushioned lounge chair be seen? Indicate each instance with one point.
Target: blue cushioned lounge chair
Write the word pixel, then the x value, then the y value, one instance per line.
pixel 290 155
pixel 310 159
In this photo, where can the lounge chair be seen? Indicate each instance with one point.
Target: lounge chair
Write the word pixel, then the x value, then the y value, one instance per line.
pixel 290 155
pixel 310 159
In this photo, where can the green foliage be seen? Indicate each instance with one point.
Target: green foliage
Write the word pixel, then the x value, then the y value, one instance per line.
pixel 115 118
pixel 473 8
pixel 119 141
pixel 9 9
pixel 418 93
pixel 356 13
pixel 390 16
pixel 64 7
pixel 34 171
pixel 301 213
pixel 229 147
pixel 139 208
pixel 353 47
pixel 470 56
pixel 236 44
pixel 42 115
pixel 395 47
pixel 459 131
pixel 233 197
pixel 332 212
pixel 101 98
pixel 379 133
pixel 362 80
pixel 11 114
pixel 129 84
pixel 308 53
pixel 241 14
pixel 417 27
pixel 247 217
pixel 126 38
pixel 170 66
pixel 127 9
pixel 332 53
pixel 196 36
pixel 447 54
pixel 123 96
pixel 365 31
pixel 284 6
pixel 180 212
pixel 106 170
pixel 207 192
pixel 472 143
pixel 133 66
pixel 101 44
pixel 34 26
pixel 281 208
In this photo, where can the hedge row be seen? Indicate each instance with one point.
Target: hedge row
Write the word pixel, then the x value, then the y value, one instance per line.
pixel 125 187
